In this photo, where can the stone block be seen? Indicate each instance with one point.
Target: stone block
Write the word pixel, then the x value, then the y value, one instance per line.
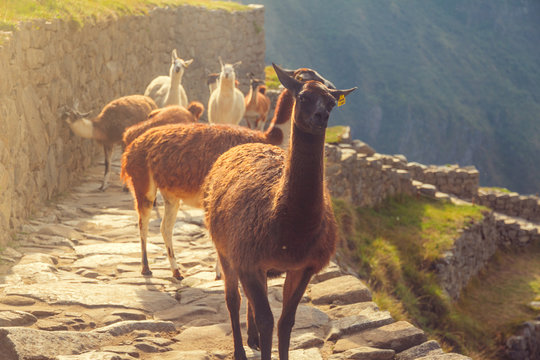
pixel 345 289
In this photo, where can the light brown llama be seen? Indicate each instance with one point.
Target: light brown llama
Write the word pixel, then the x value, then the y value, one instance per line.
pixel 176 159
pixel 268 211
pixel 173 114
pixel 257 104
pixel 108 127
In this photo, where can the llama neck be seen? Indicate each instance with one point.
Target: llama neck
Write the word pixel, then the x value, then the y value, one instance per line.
pixel 226 85
pixel 302 189
pixel 173 96
pixel 280 125
pixel 252 96
pixel 83 127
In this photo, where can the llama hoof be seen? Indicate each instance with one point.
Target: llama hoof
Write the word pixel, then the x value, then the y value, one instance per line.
pixel 146 272
pixel 103 187
pixel 240 355
pixel 253 343
pixel 177 275
pixel 125 189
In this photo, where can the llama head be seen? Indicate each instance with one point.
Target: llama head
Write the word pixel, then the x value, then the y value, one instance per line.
pixel 313 101
pixel 306 74
pixel 178 65
pixel 72 114
pixel 253 81
pixel 227 70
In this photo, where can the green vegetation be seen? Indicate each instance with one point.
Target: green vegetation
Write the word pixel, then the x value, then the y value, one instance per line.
pixel 496 189
pixel 271 79
pixel 13 11
pixel 334 134
pixel 394 249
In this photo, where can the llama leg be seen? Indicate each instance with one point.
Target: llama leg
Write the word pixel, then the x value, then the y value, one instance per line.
pixel 144 208
pixel 253 332
pixel 107 151
pixel 218 269
pixel 167 224
pixel 295 285
pixel 254 285
pixel 144 201
pixel 232 297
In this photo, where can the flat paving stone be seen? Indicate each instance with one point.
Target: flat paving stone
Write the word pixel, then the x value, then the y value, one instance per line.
pixel 345 289
pixel 93 295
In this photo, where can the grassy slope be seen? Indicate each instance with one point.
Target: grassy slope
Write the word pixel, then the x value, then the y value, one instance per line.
pixel 12 11
pixel 393 249
pixel 439 81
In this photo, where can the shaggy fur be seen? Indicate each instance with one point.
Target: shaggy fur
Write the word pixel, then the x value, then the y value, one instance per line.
pixel 268 211
pixel 168 90
pixel 176 159
pixel 257 104
pixel 168 115
pixel 108 127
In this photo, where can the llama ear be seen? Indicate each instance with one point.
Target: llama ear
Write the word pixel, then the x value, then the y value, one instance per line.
pixel 236 64
pixel 188 62
pixel 220 62
pixel 288 81
pixel 339 95
pixel 288 72
pixel 173 55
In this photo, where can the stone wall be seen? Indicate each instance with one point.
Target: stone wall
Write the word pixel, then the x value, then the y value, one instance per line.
pixel 357 173
pixel 450 179
pixel 513 204
pixel 525 345
pixel 47 64
pixel 361 177
pixel 477 244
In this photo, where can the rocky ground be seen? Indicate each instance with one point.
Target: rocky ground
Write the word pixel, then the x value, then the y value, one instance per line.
pixel 71 289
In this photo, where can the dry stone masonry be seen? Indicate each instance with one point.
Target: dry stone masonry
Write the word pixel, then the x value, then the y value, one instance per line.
pixel 512 204
pixel 45 65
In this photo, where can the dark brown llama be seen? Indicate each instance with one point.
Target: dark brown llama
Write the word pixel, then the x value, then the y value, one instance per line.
pixel 268 211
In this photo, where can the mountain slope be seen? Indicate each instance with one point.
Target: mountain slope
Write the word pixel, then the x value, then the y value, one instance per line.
pixel 439 81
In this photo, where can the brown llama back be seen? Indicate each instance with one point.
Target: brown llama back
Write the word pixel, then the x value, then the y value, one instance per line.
pixel 173 114
pixel 120 114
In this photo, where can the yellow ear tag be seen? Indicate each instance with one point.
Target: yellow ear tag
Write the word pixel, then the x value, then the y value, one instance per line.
pixel 341 100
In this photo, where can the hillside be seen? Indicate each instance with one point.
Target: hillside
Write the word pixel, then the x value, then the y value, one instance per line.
pixel 440 82
pixel 394 248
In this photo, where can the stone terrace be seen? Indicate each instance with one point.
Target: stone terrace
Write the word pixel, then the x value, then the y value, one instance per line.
pixel 73 290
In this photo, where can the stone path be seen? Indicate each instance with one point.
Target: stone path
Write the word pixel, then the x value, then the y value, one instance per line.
pixel 73 291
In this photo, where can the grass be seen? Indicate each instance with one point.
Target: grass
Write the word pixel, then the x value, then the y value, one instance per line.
pixel 394 248
pixel 495 189
pixel 334 134
pixel 271 79
pixel 13 11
